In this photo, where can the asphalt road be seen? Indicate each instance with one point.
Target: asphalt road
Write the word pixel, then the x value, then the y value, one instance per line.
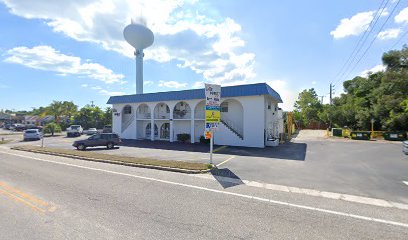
pixel 47 197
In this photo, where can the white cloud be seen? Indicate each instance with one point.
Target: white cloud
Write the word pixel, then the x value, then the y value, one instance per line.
pixel 185 32
pixel 314 82
pixel 287 94
pixel 48 59
pixel 172 84
pixel 84 85
pixel 402 17
pixel 198 84
pixel 110 93
pixel 353 26
pixel 147 83
pixel 377 68
pixel 389 33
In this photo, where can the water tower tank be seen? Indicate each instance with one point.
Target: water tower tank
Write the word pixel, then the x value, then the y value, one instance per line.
pixel 138 35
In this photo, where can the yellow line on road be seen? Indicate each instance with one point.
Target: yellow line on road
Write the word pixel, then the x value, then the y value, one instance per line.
pixel 18 199
pixel 22 194
pixel 225 161
pixel 219 149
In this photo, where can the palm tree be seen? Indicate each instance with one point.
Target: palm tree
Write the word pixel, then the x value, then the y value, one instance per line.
pixel 69 109
pixel 55 109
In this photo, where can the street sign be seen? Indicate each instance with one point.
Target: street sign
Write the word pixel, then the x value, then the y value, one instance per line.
pixel 212 106
pixel 212 112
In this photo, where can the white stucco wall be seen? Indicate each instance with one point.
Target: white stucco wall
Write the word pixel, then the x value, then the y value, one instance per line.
pixel 253 117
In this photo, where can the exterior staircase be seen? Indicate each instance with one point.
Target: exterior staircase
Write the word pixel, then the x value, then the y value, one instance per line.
pixel 232 129
pixel 126 124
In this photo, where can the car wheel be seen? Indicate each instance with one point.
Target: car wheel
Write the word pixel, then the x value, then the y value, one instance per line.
pixel 81 147
pixel 110 145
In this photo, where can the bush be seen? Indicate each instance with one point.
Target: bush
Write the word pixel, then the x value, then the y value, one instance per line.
pixel 183 137
pixel 52 128
pixel 203 140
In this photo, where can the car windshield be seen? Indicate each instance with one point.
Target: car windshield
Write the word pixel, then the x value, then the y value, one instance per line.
pixel 31 131
pixel 75 127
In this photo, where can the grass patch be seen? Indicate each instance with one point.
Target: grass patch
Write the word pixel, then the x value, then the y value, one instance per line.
pixel 4 141
pixel 116 158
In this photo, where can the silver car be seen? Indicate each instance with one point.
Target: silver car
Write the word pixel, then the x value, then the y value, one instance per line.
pixel 32 134
pixel 91 131
pixel 405 147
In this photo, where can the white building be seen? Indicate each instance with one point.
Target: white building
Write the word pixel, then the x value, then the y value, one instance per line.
pixel 249 115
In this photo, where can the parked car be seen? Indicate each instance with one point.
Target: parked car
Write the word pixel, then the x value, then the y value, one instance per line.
pixel 91 131
pixel 74 131
pixel 32 134
pixel 405 147
pixel 101 139
pixel 107 129
pixel 19 127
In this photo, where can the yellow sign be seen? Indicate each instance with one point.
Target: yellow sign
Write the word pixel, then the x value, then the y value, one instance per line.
pixel 212 116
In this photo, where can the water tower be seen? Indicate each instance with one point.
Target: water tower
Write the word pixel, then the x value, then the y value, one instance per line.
pixel 140 37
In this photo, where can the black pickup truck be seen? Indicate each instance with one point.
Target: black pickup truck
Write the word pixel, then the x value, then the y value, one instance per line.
pixel 102 139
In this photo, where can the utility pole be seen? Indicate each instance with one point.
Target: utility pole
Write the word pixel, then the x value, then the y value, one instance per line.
pixel 321 97
pixel 92 104
pixel 331 93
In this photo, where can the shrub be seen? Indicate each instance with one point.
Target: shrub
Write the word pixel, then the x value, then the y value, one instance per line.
pixel 183 137
pixel 52 128
pixel 203 140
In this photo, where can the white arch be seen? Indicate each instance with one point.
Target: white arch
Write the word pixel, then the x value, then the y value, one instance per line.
pixel 182 110
pixel 162 111
pixel 143 111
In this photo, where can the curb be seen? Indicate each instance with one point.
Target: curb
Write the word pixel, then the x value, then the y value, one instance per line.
pixel 169 169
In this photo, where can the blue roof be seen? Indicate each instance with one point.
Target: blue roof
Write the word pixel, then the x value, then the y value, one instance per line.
pixel 231 91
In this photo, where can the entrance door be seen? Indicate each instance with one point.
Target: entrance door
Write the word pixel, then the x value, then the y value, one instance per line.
pixel 149 130
pixel 165 131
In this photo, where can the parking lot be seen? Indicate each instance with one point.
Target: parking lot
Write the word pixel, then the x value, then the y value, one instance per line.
pixel 374 169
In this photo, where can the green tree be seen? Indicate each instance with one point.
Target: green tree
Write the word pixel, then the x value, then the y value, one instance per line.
pixel 307 107
pixel 69 109
pixel 55 109
pixel 89 117
pixel 52 128
pixel 107 116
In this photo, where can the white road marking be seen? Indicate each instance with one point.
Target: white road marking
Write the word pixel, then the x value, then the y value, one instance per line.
pixel 322 210
pixel 310 192
pixel 406 182
pixel 225 161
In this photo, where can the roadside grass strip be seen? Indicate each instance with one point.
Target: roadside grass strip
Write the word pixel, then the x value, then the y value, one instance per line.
pixel 168 165
pixel 4 141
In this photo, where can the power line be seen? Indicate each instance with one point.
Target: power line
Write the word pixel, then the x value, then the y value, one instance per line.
pixel 399 40
pixel 362 40
pixel 375 38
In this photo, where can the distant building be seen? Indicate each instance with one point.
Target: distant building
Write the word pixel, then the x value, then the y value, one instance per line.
pixel 31 120
pixel 249 115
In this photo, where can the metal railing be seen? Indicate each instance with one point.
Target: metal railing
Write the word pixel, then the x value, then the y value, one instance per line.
pixel 127 123
pixel 238 129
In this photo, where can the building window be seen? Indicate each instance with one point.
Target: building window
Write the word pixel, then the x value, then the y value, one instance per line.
pixel 269 107
pixel 127 110
pixel 167 109
pixel 224 107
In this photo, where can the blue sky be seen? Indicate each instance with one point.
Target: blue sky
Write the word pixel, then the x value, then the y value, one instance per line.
pixel 74 50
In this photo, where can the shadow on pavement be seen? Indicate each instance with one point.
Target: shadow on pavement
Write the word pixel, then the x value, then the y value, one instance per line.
pixel 100 148
pixel 226 178
pixel 289 151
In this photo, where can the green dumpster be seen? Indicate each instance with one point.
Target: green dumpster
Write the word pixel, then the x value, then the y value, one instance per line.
pixel 395 136
pixel 337 132
pixel 359 135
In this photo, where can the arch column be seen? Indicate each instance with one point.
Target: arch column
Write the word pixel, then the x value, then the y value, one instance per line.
pixel 192 131
pixel 152 124
pixel 171 125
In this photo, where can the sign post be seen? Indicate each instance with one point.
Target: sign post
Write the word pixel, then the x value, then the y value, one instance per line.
pixel 212 113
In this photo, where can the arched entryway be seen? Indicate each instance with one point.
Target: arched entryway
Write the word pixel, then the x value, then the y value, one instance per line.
pixel 165 131
pixel 149 131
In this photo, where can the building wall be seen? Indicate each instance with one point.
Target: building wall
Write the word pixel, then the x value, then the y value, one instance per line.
pixel 248 112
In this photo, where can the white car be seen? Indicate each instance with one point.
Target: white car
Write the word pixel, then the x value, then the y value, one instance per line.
pixel 74 131
pixel 32 134
pixel 91 131
pixel 405 147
